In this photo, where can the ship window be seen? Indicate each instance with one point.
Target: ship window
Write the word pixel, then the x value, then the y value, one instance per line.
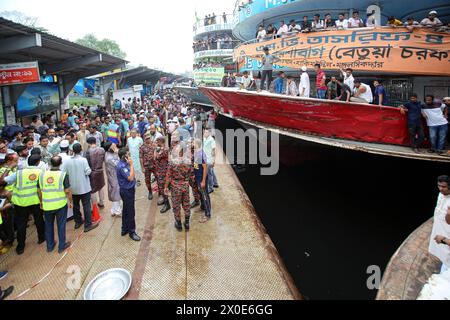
pixel 399 91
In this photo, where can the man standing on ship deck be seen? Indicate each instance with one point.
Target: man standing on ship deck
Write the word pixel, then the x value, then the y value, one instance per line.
pixel 414 110
pixel 268 60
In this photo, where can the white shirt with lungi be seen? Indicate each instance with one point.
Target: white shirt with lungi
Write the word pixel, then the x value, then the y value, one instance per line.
pixel 441 228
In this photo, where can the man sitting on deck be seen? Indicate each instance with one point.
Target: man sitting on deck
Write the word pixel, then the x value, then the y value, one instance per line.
pixel 362 93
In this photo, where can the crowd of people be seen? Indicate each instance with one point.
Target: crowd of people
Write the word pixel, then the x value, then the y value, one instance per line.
pixel 219 41
pixel 343 22
pixel 54 166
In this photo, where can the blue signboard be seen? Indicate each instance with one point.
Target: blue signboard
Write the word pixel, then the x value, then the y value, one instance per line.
pixel 256 65
pixel 47 78
pixel 41 97
pixel 257 7
pixel 79 87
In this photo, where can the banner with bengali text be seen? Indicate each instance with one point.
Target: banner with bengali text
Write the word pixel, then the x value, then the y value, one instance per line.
pixel 18 73
pixel 209 75
pixel 387 50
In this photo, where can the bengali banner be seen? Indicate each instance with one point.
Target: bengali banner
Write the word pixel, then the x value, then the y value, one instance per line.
pixel 391 50
pixel 209 75
pixel 18 73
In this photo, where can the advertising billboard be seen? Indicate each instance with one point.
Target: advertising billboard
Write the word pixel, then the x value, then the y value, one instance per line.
pixel 390 50
pixel 209 75
pixel 18 73
pixel 38 98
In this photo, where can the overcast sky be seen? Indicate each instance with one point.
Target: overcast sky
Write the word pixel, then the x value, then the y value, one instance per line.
pixel 155 33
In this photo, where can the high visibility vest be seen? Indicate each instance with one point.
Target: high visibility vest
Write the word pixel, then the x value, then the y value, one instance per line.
pixel 52 189
pixel 25 192
pixel 2 171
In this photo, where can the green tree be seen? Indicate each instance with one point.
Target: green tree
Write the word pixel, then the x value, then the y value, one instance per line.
pixel 107 46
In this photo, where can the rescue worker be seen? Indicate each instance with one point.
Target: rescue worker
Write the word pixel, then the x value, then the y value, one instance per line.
pixel 26 200
pixel 127 183
pixel 161 156
pixel 54 188
pixel 179 173
pixel 146 154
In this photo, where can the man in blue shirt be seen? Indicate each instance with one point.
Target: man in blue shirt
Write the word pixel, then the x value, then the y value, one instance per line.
pixel 201 178
pixel 414 110
pixel 380 98
pixel 127 184
pixel 279 83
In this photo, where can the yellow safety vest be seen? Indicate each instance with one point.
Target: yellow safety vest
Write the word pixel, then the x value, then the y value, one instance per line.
pixel 25 192
pixel 2 171
pixel 52 189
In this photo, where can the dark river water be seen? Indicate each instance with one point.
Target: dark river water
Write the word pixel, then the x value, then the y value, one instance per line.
pixel 332 213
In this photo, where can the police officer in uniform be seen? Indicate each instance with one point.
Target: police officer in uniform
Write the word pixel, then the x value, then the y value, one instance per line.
pixel 26 200
pixel 127 184
pixel 56 199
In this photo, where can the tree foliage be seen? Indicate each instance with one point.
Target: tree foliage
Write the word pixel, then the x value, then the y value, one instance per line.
pixel 107 46
pixel 21 18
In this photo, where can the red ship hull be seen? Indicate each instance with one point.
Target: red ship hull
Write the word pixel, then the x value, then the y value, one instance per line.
pixel 327 118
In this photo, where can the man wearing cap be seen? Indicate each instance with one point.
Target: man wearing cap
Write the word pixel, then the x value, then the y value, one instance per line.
pixel 305 84
pixel 64 147
pixel 431 21
pixel 267 60
pixel 26 200
pixel 146 153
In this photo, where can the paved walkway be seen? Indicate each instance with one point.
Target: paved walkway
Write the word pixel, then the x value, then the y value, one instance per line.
pixel 230 257
pixel 410 267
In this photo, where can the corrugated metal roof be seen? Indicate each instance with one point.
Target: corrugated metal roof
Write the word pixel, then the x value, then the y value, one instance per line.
pixel 55 51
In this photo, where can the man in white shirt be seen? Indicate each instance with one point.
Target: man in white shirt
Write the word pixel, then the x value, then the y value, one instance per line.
pixel 305 85
pixel 341 23
pixel 64 146
pixel 440 235
pixel 317 24
pixel 261 36
pixel 348 78
pixel 246 81
pixel 436 116
pixel 283 30
pixel 355 21
pixel 431 21
pixel 294 27
pixel 362 93
pixel 209 147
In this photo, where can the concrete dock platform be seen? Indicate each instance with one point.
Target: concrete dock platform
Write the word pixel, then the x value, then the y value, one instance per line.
pixel 230 257
pixel 410 267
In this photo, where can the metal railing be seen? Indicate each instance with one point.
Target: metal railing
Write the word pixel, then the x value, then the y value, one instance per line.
pixel 290 34
pixel 216 45
pixel 219 19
